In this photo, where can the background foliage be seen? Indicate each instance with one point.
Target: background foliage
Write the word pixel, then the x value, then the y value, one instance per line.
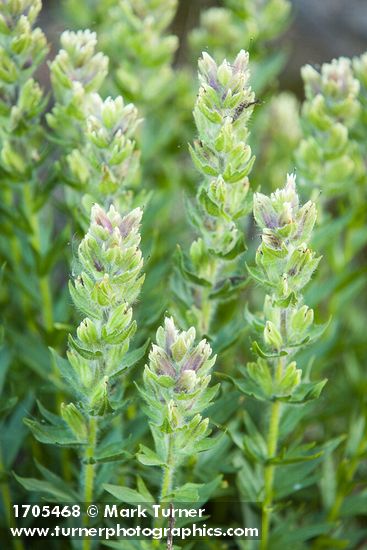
pixel 105 113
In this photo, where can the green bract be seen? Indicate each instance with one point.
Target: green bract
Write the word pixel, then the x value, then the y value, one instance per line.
pixel 141 421
pixel 176 388
pixel 176 393
pixel 222 154
pixel 285 262
pixel 108 283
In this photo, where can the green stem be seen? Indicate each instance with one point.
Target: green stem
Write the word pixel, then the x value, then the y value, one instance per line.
pixel 206 312
pixel 16 260
pixel 7 504
pixel 269 472
pixel 169 470
pixel 44 284
pixel 166 487
pixel 89 470
pixel 207 305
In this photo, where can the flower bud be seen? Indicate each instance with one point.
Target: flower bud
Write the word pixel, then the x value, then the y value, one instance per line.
pixel 75 420
pixel 177 374
pixel 187 381
pixel 87 332
pixel 272 336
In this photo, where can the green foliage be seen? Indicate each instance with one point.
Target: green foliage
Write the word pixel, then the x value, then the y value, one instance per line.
pixel 80 160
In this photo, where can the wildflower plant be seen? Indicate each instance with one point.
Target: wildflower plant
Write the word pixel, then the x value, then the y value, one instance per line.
pixel 284 266
pixel 334 107
pixel 176 392
pixel 223 157
pixel 327 158
pixel 104 291
pixel 77 157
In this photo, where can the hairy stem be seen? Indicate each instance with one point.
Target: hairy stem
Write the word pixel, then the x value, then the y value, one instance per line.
pixel 272 445
pixel 89 470
pixel 206 312
pixel 169 470
pixel 167 481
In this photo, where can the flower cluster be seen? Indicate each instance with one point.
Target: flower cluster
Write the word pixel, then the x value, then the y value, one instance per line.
pixel 285 264
pixel 22 49
pixel 223 156
pixel 176 388
pixel 133 35
pixel 108 284
pixel 107 164
pixel 103 161
pixel 240 23
pixel 76 72
pixel 327 158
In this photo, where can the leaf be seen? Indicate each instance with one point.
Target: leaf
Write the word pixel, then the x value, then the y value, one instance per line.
pixel 257 349
pixel 210 206
pixel 7 405
pixel 86 353
pixel 189 275
pixel 57 249
pixel 66 370
pixel 40 486
pixel 226 288
pixel 56 481
pixel 148 457
pixel 228 335
pixel 13 431
pixel 5 359
pixel 246 386
pixel 52 418
pixel 207 490
pixel 127 495
pixel 143 490
pixel 110 453
pixel 283 460
pixel 238 248
pixel 189 492
pixel 256 274
pixel 306 391
pixel 52 435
